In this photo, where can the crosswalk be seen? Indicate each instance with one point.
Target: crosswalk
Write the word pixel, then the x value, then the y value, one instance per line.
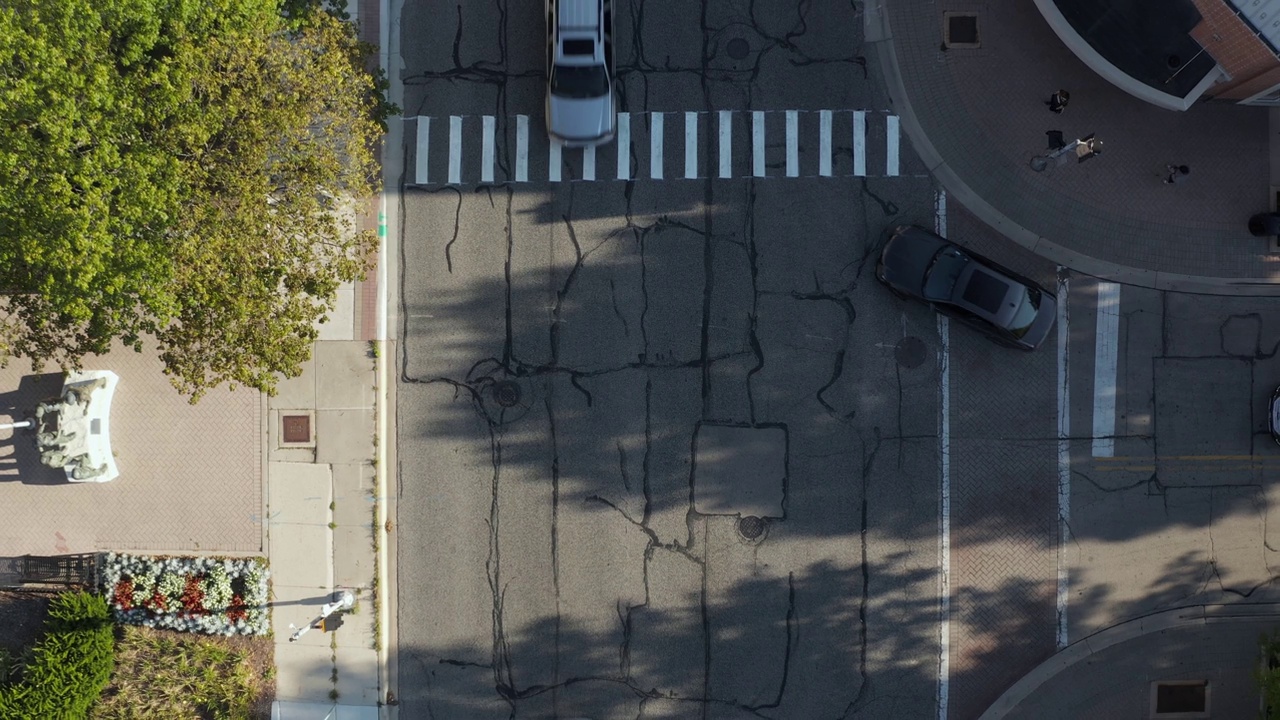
pixel 725 144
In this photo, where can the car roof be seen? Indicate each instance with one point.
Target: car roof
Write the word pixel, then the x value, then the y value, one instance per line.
pixel 578 14
pixel 988 292
pixel 985 291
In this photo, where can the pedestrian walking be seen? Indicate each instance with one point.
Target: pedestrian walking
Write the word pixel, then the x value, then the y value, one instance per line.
pixel 1177 174
pixel 1057 102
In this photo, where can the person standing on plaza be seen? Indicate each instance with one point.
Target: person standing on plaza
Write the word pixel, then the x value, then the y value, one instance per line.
pixel 1057 102
pixel 1177 174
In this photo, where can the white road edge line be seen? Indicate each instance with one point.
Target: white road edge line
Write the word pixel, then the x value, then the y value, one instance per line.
pixel 1104 369
pixel 655 146
pixel 421 157
pixel 860 143
pixel 691 145
pixel 624 146
pixel 486 150
pixel 824 143
pixel 944 495
pixel 455 149
pixel 553 160
pixel 388 51
pixel 589 162
pixel 726 143
pixel 522 148
pixel 793 143
pixel 1064 454
pixel 891 146
pixel 757 143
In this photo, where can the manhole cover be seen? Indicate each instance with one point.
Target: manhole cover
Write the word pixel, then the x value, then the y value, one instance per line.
pixel 910 352
pixel 297 428
pixel 738 48
pixel 506 393
pixel 751 527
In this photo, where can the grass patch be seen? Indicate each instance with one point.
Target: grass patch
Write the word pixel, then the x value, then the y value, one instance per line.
pixel 180 676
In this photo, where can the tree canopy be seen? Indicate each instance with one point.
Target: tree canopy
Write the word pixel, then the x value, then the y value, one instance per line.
pixel 183 173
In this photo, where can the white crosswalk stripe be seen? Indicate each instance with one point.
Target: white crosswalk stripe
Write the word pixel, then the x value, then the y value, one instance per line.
pixel 735 144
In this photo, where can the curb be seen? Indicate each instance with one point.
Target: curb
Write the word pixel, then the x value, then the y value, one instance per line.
pixel 1081 650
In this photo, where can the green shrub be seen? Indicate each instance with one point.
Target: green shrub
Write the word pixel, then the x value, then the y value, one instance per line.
pixel 69 666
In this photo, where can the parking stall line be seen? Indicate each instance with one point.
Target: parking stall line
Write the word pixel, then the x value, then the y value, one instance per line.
pixel 891 146
pixel 553 160
pixel 455 149
pixel 726 143
pixel 522 148
pixel 1104 369
pixel 757 143
pixel 824 143
pixel 589 162
pixel 860 143
pixel 424 142
pixel 486 150
pixel 655 146
pixel 691 145
pixel 624 146
pixel 793 143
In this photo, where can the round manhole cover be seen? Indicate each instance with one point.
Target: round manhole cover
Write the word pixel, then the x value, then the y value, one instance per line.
pixel 738 48
pixel 506 393
pixel 751 527
pixel 910 352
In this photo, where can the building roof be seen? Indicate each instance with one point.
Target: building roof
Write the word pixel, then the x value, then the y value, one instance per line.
pixel 1149 41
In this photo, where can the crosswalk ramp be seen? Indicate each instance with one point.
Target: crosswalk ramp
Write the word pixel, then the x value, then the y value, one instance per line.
pixel 657 146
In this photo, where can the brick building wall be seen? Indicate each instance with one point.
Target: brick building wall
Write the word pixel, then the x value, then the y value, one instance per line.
pixel 1231 42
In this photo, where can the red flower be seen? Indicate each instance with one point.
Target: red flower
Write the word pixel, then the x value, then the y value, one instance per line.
pixel 236 611
pixel 123 595
pixel 193 596
pixel 158 602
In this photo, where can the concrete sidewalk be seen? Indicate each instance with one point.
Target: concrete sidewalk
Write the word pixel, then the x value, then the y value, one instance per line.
pixel 321 514
pixel 977 117
pixel 1110 674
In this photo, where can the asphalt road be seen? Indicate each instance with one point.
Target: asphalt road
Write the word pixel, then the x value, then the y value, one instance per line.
pixel 573 350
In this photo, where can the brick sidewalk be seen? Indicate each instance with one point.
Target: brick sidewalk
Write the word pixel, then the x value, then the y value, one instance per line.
pixel 190 476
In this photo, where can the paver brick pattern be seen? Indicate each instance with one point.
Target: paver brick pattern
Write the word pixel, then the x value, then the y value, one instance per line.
pixel 1003 517
pixel 190 476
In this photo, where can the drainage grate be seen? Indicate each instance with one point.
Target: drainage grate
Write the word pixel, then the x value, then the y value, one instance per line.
pixel 1180 699
pixel 751 527
pixel 506 393
pixel 960 30
pixel 296 428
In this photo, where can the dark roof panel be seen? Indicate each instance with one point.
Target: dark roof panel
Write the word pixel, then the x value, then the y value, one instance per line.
pixel 1148 40
pixel 985 291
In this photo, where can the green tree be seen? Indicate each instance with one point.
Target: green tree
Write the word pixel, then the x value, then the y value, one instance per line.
pixel 181 173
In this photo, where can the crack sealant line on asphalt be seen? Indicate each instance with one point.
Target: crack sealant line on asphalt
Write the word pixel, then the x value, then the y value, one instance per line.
pixel 944 495
pixel 1064 454
pixel 1104 369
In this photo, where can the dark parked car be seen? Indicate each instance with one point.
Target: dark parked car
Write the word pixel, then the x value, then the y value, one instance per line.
pixel 961 284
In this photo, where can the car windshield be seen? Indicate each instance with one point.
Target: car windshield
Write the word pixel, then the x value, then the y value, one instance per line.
pixel 944 270
pixel 579 82
pixel 1025 315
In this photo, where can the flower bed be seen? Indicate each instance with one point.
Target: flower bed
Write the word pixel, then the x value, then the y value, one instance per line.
pixel 217 596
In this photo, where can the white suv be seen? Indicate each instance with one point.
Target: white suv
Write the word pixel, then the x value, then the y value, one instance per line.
pixel 582 107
